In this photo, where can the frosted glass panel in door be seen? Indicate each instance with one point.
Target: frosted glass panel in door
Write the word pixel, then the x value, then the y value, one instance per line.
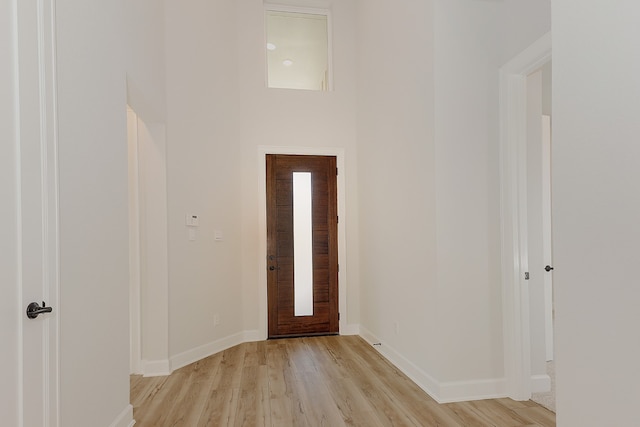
pixel 302 245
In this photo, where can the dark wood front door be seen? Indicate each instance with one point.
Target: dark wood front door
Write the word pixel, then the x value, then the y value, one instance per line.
pixel 320 247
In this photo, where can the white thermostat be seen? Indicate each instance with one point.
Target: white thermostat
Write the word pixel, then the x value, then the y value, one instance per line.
pixel 191 220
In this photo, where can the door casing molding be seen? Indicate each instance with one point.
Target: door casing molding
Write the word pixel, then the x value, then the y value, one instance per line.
pixel 36 106
pixel 513 198
pixel 262 229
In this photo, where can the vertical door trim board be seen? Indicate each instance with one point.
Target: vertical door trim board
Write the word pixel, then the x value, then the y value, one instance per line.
pixel 262 229
pixel 135 339
pixel 41 26
pixel 513 200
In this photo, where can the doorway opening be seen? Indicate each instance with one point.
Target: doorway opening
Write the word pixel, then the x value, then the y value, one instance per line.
pixel 516 262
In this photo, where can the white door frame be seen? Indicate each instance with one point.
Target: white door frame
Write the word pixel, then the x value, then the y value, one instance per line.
pixel 135 338
pixel 262 227
pixel 36 141
pixel 513 192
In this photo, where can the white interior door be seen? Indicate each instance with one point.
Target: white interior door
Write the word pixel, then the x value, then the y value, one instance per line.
pixel 33 214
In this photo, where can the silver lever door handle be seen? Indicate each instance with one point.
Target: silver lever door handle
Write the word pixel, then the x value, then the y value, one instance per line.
pixel 34 310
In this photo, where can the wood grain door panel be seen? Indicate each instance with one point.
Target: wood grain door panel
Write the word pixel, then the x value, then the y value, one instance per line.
pixel 280 246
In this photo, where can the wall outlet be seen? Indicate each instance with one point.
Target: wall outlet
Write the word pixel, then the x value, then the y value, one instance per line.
pixel 216 320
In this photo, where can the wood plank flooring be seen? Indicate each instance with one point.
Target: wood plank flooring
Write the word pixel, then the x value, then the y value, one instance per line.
pixel 310 382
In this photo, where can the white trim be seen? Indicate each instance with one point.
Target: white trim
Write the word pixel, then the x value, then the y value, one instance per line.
pixel 350 329
pixel 462 391
pixel 125 419
pixel 135 336
pixel 190 356
pixel 425 381
pixel 50 204
pixel 35 51
pixel 513 195
pixel 441 392
pixel 540 383
pixel 252 336
pixel 277 7
pixel 547 234
pixel 262 227
pixel 156 368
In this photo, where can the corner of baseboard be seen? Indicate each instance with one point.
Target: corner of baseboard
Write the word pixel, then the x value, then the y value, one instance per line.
pixel 190 356
pixel 350 329
pixel 540 383
pixel 462 391
pixel 253 335
pixel 125 419
pixel 425 381
pixel 156 368
pixel 441 392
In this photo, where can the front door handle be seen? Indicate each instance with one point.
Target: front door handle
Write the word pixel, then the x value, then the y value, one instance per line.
pixel 34 310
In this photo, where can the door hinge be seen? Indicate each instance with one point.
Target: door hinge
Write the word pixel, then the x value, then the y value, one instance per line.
pixel 336 171
pixel 337 219
pixel 338 268
pixel 338 316
pixel 526 275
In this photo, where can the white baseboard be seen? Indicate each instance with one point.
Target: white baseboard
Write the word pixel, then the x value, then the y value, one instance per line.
pixel 441 392
pixel 156 368
pixel 252 336
pixel 540 383
pixel 421 378
pixel 190 356
pixel 125 419
pixel 462 391
pixel 352 329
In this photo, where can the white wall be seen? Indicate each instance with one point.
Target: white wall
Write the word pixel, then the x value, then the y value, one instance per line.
pixel 204 172
pixel 293 118
pixel 94 333
pixel 396 156
pixel 145 59
pixel 596 208
pixel 214 128
pixel 468 228
pixel 10 304
pixel 428 109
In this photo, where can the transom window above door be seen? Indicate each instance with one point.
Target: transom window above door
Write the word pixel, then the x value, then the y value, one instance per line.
pixel 298 48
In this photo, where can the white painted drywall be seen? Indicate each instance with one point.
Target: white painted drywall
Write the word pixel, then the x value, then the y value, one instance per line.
pixel 430 226
pixel 145 59
pixel 94 314
pixel 204 172
pixel 596 209
pixel 466 102
pixel 10 303
pixel 396 177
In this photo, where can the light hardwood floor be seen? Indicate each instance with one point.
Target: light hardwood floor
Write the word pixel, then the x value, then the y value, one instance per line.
pixel 322 381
